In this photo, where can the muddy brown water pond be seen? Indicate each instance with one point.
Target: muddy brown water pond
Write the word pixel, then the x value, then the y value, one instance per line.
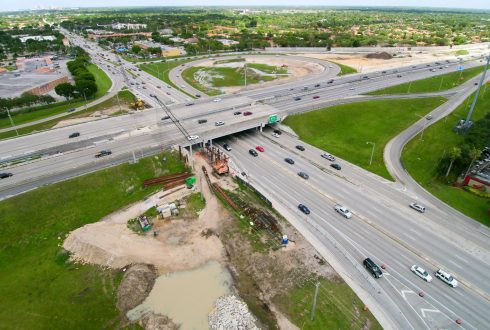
pixel 187 297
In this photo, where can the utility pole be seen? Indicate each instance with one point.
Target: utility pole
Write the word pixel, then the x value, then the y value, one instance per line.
pixel 317 286
pixel 245 67
pixel 482 80
pixel 12 122
pixel 372 152
pixel 442 79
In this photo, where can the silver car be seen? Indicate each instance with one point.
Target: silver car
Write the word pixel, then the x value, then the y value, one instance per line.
pixel 417 207
pixel 422 273
pixel 446 278
pixel 343 211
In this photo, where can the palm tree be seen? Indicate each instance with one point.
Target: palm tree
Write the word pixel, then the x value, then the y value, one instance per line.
pixel 474 153
pixel 454 154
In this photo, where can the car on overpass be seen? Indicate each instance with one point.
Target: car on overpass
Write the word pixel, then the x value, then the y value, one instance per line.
pixel 219 123
pixel 289 160
pixel 260 148
pixel 372 268
pixel 417 207
pixel 193 137
pixel 328 156
pixel 236 113
pixel 5 175
pixel 300 147
pixel 247 113
pixel 422 273
pixel 342 210
pixel 336 166
pixel 304 209
pixel 227 147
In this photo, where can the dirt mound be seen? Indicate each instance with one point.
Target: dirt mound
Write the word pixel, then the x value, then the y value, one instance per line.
pixel 381 56
pixel 152 321
pixel 135 286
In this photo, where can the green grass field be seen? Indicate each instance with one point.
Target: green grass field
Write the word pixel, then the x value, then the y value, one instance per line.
pixel 461 52
pixel 161 71
pixel 40 288
pixel 344 69
pixel 421 157
pixel 337 307
pixel 103 84
pixel 343 130
pixel 188 76
pixel 271 69
pixel 432 84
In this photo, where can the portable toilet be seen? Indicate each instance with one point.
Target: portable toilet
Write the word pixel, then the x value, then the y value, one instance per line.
pixel 285 240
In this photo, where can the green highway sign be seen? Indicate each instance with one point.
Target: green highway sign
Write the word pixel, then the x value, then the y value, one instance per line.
pixel 273 119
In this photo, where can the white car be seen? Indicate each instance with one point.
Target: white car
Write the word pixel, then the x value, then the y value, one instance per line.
pixel 328 156
pixel 422 273
pixel 193 137
pixel 275 135
pixel 417 207
pixel 446 278
pixel 219 123
pixel 343 211
pixel 217 99
pixel 352 88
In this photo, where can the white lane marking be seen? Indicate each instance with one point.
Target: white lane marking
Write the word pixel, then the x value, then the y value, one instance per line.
pixel 427 310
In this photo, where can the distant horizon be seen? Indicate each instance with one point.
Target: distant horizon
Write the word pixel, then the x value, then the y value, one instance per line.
pixel 25 5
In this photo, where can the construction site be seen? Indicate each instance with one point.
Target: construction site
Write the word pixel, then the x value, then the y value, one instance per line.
pixel 203 226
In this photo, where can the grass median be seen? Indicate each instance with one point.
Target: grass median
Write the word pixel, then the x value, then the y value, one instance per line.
pixel 41 287
pixel 432 84
pixel 348 130
pixel 344 69
pixel 421 157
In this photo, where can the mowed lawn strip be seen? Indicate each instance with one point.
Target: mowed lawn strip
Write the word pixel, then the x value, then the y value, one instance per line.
pixel 103 84
pixel 161 71
pixel 40 289
pixel 344 69
pixel 344 130
pixel 421 158
pixel 432 84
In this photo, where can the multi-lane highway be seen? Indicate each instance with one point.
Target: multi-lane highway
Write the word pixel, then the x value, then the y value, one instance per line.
pixel 383 227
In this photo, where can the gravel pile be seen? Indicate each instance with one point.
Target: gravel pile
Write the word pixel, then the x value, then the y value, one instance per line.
pixel 231 313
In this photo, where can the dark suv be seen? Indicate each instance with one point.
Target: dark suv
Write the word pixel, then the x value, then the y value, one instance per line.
pixel 5 175
pixel 372 268
pixel 103 153
pixel 253 152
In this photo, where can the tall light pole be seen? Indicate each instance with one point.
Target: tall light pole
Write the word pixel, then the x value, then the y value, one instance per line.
pixel 467 124
pixel 12 122
pixel 423 127
pixel 372 152
pixel 245 67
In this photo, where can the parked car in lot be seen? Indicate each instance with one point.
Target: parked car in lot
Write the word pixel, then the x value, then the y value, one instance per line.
pixel 446 278
pixel 328 156
pixel 103 153
pixel 260 148
pixel 193 137
pixel 289 161
pixel 304 209
pixel 417 207
pixel 253 152
pixel 247 113
pixel 422 273
pixel 202 121
pixel 227 147
pixel 219 123
pixel 236 113
pixel 304 175
pixel 300 147
pixel 372 268
pixel 5 175
pixel 336 166
pixel 74 135
pixel 343 211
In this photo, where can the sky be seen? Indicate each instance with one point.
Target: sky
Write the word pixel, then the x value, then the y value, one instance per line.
pixel 31 4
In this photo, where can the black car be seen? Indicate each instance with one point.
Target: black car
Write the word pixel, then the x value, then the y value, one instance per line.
pixel 227 147
pixel 253 152
pixel 71 110
pixel 236 113
pixel 304 175
pixel 336 166
pixel 103 153
pixel 372 268
pixel 297 98
pixel 289 161
pixel 166 117
pixel 198 95
pixel 299 147
pixel 304 209
pixel 330 81
pixel 5 175
pixel 317 85
pixel 74 135
pixel 278 132
pixel 202 121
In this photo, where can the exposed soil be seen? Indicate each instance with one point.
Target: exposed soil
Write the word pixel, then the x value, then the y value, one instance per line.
pixel 91 117
pixel 152 321
pixel 381 55
pixel 135 286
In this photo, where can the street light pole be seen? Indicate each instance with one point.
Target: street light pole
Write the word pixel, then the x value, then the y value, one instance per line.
pixel 372 152
pixel 12 122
